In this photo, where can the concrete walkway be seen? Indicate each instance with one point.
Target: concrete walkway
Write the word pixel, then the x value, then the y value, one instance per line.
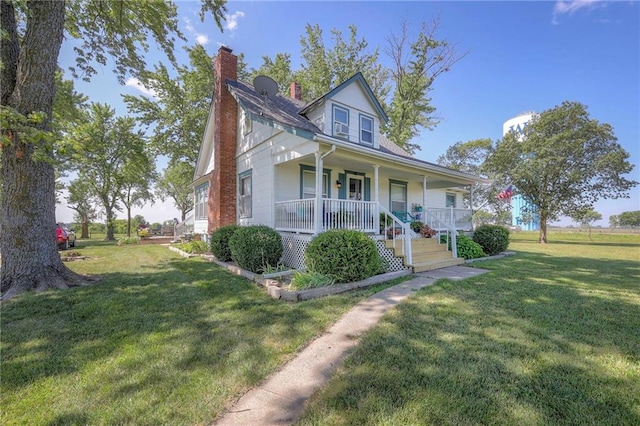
pixel 281 398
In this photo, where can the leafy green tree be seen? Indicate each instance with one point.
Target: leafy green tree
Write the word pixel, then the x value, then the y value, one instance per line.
pixel 586 218
pixel 416 65
pixel 324 68
pixel 279 69
pixel 82 200
pixel 469 157
pixel 563 163
pixel 137 221
pixel 111 157
pixel 629 219
pixel 175 183
pixel 139 174
pixel 177 115
pixel 29 49
pixel 614 221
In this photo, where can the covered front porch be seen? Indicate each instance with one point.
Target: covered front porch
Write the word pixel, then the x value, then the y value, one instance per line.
pixel 300 216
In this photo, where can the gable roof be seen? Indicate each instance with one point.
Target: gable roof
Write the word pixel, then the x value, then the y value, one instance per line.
pixel 277 109
pixel 358 77
pixel 287 114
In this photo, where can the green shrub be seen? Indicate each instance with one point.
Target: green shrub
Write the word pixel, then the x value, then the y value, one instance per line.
pixel 344 255
pixel 220 242
pixel 465 246
pixel 193 247
pixel 256 248
pixel 305 280
pixel 128 240
pixel 493 239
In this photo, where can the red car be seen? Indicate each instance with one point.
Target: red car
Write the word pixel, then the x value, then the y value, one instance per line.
pixel 64 237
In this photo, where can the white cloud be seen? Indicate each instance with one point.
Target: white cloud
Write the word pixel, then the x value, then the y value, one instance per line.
pixel 199 38
pixel 232 20
pixel 136 84
pixel 563 7
pixel 202 39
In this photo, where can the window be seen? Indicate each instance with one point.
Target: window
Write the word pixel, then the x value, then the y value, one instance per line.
pixel 340 122
pixel 202 192
pixel 398 196
pixel 366 129
pixel 451 200
pixel 308 182
pixel 244 198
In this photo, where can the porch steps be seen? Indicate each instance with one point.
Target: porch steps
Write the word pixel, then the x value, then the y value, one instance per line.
pixel 427 254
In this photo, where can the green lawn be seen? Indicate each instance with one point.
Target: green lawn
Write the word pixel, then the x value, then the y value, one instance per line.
pixel 160 340
pixel 550 336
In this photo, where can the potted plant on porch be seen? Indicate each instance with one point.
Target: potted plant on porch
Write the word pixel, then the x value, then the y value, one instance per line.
pixel 427 232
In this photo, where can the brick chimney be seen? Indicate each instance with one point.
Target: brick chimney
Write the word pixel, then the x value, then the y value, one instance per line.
pixel 222 188
pixel 296 91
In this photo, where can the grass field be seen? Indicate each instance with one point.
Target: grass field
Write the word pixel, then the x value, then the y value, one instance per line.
pixel 160 340
pixel 550 336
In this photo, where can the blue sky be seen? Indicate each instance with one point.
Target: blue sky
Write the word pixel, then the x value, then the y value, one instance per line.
pixel 521 56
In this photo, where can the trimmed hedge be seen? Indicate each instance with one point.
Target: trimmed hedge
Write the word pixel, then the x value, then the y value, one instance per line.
pixel 465 246
pixel 343 254
pixel 493 239
pixel 256 247
pixel 220 242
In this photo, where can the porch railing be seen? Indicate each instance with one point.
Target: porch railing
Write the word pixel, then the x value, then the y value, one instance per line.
pixel 457 218
pixel 185 227
pixel 399 232
pixel 299 215
pixel 444 220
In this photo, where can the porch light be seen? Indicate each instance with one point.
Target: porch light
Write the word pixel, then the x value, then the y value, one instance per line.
pixel 338 184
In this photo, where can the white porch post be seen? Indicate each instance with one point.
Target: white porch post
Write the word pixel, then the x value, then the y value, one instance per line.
pixel 424 197
pixel 376 196
pixel 317 226
pixel 471 203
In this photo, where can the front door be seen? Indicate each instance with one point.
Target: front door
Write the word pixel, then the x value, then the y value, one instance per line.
pixel 355 188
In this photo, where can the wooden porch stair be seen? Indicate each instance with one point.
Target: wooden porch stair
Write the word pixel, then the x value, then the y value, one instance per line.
pixel 427 254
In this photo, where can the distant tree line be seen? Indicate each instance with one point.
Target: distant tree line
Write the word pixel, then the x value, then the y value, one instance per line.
pixel 625 220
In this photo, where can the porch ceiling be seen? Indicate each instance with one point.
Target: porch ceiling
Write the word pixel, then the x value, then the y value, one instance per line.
pixel 343 161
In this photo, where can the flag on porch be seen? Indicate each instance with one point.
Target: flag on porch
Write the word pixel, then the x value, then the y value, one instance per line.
pixel 505 194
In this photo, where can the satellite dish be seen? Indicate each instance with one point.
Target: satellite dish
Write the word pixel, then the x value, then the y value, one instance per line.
pixel 265 86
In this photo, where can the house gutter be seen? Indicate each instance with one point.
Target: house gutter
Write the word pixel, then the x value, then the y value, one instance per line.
pixel 398 159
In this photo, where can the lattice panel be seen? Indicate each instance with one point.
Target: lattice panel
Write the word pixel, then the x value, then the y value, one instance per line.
pixel 295 245
pixel 395 263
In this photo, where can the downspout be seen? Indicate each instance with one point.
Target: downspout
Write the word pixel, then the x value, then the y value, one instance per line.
pixel 318 201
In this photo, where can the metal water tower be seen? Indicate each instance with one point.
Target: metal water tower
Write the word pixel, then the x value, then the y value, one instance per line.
pixel 518 124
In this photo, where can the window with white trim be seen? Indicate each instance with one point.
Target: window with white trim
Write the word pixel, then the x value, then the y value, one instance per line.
pixel 366 129
pixel 451 200
pixel 340 122
pixel 244 194
pixel 200 207
pixel 309 184
pixel 398 196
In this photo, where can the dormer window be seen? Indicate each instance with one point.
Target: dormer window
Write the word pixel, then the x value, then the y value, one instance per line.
pixel 366 130
pixel 340 122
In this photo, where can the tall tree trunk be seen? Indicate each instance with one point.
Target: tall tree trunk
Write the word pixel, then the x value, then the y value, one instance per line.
pixel 84 226
pixel 110 224
pixel 543 230
pixel 27 215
